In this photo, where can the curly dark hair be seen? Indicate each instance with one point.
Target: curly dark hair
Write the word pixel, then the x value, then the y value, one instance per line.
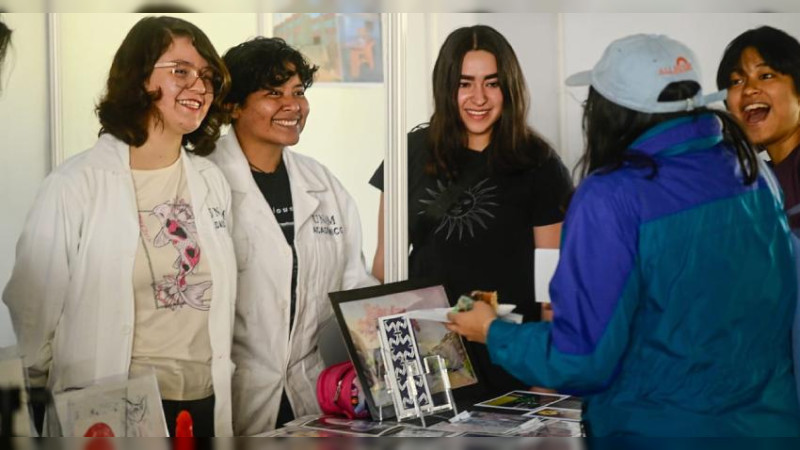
pixel 264 63
pixel 126 108
pixel 779 50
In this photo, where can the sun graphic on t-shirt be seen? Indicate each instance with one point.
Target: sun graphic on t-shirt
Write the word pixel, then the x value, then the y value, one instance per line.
pixel 471 209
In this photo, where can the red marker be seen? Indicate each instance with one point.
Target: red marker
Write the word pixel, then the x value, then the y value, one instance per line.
pixel 99 432
pixel 99 429
pixel 184 425
pixel 184 429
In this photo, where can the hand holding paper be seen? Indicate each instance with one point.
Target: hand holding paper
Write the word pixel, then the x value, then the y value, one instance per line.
pixel 473 324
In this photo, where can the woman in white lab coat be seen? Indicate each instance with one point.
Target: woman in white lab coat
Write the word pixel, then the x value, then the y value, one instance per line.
pixel 297 236
pixel 125 265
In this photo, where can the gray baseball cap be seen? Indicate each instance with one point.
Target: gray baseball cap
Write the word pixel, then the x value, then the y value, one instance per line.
pixel 635 69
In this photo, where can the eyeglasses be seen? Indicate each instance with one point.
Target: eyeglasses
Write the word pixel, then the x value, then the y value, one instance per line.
pixel 186 75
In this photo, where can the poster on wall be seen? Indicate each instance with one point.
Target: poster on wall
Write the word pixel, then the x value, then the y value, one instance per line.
pixel 346 46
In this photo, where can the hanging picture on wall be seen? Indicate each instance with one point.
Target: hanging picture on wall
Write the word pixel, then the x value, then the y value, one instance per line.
pixel 357 312
pixel 346 46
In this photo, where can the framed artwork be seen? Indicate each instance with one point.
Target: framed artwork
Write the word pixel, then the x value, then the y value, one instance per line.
pixel 129 408
pixel 357 312
pixel 347 47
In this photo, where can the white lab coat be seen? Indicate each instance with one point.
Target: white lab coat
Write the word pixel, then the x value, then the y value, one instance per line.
pixel 328 244
pixel 71 294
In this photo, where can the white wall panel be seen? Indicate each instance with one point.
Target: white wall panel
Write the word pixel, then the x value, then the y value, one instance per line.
pixel 24 147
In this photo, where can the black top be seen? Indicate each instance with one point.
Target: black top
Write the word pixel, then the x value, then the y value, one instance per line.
pixel 483 238
pixel 277 191
pixel 788 174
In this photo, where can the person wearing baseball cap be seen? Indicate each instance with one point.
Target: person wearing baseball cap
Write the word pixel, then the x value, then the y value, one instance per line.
pixel 675 291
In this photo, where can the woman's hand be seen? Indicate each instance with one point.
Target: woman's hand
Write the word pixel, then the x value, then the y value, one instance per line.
pixel 473 324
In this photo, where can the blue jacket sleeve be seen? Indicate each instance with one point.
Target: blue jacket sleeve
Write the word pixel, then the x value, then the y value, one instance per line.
pixel 594 291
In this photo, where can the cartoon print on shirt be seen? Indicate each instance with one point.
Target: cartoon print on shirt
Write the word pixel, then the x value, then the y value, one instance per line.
pixel 472 207
pixel 178 228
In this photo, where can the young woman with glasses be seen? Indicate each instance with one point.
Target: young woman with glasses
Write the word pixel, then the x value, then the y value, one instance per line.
pixel 125 266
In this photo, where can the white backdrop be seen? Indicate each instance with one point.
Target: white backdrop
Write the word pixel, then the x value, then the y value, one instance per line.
pixel 346 128
pixel 24 149
pixel 585 36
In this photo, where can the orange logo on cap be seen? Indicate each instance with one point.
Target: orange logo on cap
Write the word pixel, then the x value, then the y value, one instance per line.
pixel 682 65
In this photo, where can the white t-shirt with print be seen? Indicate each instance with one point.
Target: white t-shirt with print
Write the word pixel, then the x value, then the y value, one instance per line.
pixel 172 288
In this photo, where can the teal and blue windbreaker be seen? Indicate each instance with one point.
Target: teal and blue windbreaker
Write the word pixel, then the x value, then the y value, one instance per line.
pixel 673 299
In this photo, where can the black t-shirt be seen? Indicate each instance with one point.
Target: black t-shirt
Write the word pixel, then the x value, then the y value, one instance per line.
pixel 484 239
pixel 277 191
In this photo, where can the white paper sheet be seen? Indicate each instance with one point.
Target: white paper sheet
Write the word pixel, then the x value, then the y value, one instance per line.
pixel 440 314
pixel 544 263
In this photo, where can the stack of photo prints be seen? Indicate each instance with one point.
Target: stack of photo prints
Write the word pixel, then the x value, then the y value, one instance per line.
pixel 517 413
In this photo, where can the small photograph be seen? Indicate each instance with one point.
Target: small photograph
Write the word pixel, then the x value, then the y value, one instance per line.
pixel 479 435
pixel 411 431
pixel 302 432
pixel 554 428
pixel 569 403
pixel 487 423
pixel 300 421
pixel 556 413
pixel 522 401
pixel 350 427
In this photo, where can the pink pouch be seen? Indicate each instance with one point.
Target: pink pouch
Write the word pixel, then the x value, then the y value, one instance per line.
pixel 339 392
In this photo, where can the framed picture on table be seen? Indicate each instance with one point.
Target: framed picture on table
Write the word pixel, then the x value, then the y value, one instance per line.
pixel 357 312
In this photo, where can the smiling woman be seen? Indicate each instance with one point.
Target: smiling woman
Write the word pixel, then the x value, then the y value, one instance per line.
pixel 297 235
pixel 117 231
pixel 761 70
pixel 480 100
pixel 484 189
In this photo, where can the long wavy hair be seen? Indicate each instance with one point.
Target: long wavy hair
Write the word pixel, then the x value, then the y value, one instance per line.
pixel 127 107
pixel 611 129
pixel 514 145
